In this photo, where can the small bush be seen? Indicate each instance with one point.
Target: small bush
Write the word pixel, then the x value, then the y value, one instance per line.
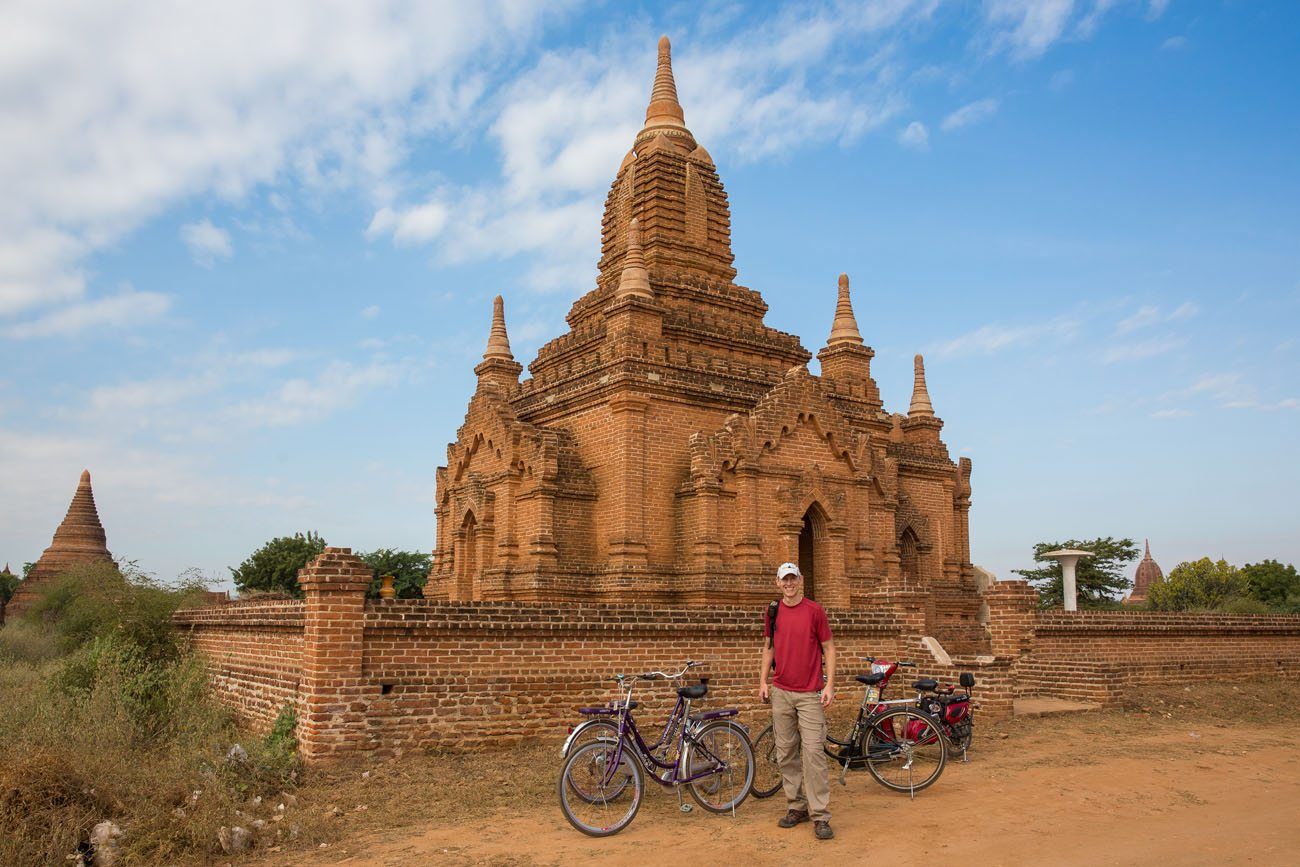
pixel 24 642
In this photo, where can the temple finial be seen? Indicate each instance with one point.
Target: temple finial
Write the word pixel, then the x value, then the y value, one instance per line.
pixel 635 279
pixel 85 477
pixel 664 109
pixel 920 394
pixel 845 327
pixel 1148 544
pixel 498 345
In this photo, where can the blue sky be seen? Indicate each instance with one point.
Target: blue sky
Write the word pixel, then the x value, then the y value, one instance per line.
pixel 247 257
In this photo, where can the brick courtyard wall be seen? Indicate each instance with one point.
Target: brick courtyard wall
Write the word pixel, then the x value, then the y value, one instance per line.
pixel 1100 655
pixel 253 652
pixel 385 676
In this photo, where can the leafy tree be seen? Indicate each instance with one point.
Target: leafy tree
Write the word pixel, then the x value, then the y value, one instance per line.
pixel 8 584
pixel 1274 584
pixel 410 569
pixel 1099 579
pixel 273 568
pixel 1201 585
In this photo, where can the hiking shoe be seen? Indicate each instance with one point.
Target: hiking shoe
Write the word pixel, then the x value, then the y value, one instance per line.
pixel 792 818
pixel 823 830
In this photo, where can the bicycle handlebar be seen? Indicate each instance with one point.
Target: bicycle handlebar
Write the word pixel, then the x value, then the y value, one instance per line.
pixel 900 663
pixel 661 675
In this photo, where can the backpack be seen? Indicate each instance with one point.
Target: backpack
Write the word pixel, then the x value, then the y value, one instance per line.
pixel 772 609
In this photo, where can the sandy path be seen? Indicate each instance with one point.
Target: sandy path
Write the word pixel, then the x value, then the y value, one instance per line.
pixel 1055 794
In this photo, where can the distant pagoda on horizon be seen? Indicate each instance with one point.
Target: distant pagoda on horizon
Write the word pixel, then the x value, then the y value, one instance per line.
pixel 79 539
pixel 1148 573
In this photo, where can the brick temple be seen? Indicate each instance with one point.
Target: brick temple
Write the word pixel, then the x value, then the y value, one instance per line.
pixel 79 539
pixel 672 447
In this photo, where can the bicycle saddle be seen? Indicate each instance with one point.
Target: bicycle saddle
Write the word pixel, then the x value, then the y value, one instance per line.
pixel 926 684
pixel 692 692
pixel 870 679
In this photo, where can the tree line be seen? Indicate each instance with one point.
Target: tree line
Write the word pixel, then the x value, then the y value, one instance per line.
pixel 1266 587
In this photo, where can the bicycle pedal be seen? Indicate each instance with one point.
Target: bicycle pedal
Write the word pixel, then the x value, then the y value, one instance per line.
pixel 685 808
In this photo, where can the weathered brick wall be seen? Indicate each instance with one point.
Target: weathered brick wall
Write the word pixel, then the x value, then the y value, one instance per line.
pixel 1097 656
pixel 254 653
pixel 387 676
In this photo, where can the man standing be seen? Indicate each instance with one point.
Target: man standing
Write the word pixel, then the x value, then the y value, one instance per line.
pixel 798 637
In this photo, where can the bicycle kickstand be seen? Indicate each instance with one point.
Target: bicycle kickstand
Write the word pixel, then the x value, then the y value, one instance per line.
pixel 844 770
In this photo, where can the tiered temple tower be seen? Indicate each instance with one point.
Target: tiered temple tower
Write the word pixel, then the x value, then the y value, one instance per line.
pixel 673 447
pixel 79 539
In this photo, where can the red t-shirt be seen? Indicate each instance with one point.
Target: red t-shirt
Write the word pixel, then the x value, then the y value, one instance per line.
pixel 800 632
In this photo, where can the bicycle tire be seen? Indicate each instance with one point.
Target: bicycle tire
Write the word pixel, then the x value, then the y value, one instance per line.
pixel 724 741
pixel 609 815
pixel 767 770
pixel 902 738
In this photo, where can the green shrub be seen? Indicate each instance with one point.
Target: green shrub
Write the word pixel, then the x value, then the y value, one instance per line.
pixel 1203 585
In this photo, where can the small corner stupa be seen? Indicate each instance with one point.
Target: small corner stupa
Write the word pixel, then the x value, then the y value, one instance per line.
pixel 79 539
pixel 1148 573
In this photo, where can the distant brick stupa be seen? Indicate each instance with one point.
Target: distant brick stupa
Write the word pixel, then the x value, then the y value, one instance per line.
pixel 1148 573
pixel 79 539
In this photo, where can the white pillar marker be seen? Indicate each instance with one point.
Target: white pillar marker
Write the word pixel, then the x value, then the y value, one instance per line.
pixel 1068 558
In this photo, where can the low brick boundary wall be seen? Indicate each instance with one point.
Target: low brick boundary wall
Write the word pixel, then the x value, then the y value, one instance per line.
pixel 387 676
pixel 1100 655
pixel 253 651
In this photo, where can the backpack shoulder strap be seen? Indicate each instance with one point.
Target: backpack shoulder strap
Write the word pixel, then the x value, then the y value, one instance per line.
pixel 772 609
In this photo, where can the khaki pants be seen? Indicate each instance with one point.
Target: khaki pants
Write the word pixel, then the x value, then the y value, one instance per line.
pixel 798 720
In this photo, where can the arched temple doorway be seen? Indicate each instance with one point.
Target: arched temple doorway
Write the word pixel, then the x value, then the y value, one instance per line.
pixel 812 542
pixel 467 561
pixel 909 557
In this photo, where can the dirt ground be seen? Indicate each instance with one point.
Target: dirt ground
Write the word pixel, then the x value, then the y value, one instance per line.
pixel 1174 779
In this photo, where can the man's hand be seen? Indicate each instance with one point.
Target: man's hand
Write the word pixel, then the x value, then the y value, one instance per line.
pixel 763 691
pixel 828 695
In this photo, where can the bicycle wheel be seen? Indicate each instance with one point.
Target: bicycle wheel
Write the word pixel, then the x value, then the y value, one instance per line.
pixel 767 770
pixel 722 746
pixel 905 750
pixel 596 730
pixel 598 798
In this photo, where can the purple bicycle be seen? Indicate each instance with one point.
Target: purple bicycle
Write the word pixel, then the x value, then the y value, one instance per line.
pixel 603 780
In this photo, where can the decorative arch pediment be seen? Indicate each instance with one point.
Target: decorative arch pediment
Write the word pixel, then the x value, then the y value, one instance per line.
pixel 909 517
pixel 796 401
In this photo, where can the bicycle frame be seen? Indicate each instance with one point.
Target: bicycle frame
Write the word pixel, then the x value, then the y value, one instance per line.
pixel 679 722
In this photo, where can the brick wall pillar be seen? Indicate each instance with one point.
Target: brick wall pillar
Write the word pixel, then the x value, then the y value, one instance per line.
pixel 1013 607
pixel 333 705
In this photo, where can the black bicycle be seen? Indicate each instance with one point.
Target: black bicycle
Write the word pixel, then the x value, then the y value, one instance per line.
pixel 902 747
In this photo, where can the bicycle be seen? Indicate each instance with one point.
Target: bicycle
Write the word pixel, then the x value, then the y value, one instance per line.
pixel 602 781
pixel 902 747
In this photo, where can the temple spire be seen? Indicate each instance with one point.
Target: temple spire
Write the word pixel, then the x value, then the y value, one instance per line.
pixel 664 109
pixel 1148 545
pixel 845 327
pixel 498 345
pixel 920 394
pixel 635 280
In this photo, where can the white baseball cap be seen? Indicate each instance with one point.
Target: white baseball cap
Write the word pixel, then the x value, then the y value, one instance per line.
pixel 788 569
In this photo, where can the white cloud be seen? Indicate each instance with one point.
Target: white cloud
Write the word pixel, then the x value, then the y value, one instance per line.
pixel 206 242
pixel 125 310
pixel 1173 43
pixel 1138 350
pixel 1027 28
pixel 1149 314
pixel 304 399
pixel 415 225
pixel 1170 413
pixel 970 114
pixel 995 337
pixel 370 312
pixel 114 114
pixel 915 136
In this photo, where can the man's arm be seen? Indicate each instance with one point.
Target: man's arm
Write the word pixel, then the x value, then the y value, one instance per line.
pixel 828 654
pixel 763 670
